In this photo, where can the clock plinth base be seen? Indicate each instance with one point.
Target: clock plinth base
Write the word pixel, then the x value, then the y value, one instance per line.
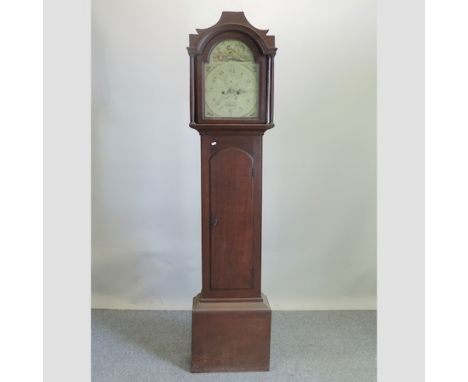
pixel 230 336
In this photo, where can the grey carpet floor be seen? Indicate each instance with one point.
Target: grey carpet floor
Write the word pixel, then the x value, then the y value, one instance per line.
pixel 319 346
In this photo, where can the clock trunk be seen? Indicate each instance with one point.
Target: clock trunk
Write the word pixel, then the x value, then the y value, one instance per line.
pixel 231 210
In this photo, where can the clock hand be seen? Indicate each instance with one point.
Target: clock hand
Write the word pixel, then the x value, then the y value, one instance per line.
pixel 229 92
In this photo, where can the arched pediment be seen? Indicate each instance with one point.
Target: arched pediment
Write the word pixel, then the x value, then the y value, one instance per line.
pixel 233 22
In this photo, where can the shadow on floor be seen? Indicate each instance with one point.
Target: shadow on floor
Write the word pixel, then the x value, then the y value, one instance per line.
pixel 165 335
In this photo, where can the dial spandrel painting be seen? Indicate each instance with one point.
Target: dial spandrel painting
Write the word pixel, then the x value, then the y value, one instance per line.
pixel 231 82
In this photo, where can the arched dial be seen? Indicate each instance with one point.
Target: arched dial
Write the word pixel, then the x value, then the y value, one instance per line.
pixel 231 82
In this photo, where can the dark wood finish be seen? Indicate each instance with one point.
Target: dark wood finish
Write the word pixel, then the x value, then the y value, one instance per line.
pixel 231 25
pixel 230 336
pixel 231 129
pixel 231 318
pixel 232 225
pixel 231 193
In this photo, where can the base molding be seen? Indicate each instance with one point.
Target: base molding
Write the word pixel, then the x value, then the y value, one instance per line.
pixel 231 335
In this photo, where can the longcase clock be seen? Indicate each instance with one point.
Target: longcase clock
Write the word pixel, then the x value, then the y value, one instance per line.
pixel 231 106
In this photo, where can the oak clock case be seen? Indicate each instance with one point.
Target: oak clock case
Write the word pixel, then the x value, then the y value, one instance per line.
pixel 231 99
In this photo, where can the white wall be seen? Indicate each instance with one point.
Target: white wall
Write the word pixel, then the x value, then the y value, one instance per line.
pixel 319 184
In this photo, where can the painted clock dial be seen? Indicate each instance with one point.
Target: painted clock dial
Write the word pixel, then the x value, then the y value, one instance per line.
pixel 231 82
